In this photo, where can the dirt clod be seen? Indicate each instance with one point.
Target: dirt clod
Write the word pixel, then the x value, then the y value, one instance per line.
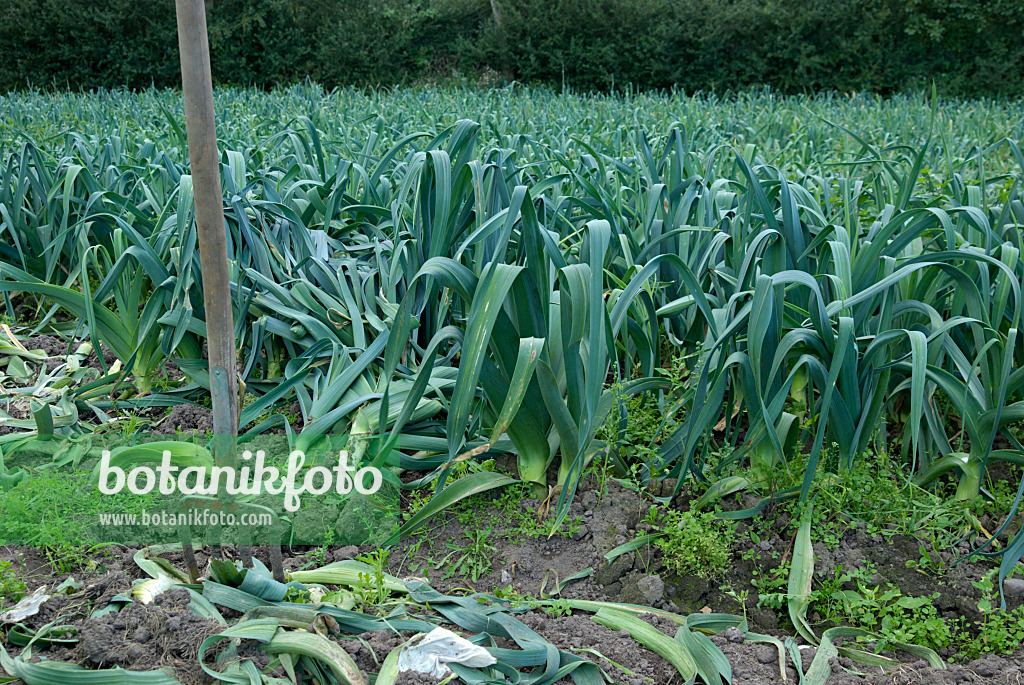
pixel 188 418
pixel 144 637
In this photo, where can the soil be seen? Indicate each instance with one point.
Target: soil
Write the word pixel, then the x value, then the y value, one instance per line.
pixel 988 669
pixel 187 418
pixel 143 637
pixel 533 565
pixel 55 349
pixel 166 634
pixel 111 572
pixel 58 350
pixel 578 632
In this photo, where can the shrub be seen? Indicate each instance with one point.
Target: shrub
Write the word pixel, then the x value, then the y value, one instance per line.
pixel 792 45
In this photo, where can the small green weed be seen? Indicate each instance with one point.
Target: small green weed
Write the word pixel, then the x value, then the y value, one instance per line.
pixel 999 632
pixel 510 594
pixel 771 586
pixel 929 562
pixel 557 608
pixel 472 560
pixel 460 469
pixel 739 596
pixel 530 526
pixel 895 617
pixel 640 423
pixel 417 500
pixel 12 589
pixel 520 524
pixel 297 595
pixel 318 557
pixel 372 589
pixel 695 543
pixel 879 492
pixel 827 598
pixel 57 511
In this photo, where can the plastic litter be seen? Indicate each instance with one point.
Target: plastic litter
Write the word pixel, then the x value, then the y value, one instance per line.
pixel 29 606
pixel 429 653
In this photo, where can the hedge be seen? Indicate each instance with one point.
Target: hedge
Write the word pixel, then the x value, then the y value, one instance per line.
pixel 967 48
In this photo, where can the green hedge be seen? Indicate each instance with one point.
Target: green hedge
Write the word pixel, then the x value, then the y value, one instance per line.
pixel 968 48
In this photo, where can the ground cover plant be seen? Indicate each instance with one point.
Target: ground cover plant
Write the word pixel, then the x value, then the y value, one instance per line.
pixel 704 351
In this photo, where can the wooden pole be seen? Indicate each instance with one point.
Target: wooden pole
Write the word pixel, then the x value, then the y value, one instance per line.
pixel 197 87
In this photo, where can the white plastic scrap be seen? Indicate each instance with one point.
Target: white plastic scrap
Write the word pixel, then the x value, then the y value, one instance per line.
pixel 26 607
pixel 430 652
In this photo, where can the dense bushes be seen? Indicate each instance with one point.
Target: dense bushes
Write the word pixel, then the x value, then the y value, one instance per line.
pixel 967 48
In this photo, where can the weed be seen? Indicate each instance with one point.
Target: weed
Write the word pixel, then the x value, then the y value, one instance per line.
pixel 518 523
pixel 879 493
pixel 895 617
pixel 410 555
pixel 828 598
pixel 557 608
pixel 472 560
pixel 57 511
pixel 417 500
pixel 998 632
pixel 12 589
pixel 695 543
pixel 528 526
pixel 771 586
pixel 510 594
pixel 602 472
pixel 318 557
pixel 740 597
pixel 372 589
pixel 297 595
pixel 641 424
pixel 460 469
pixel 930 562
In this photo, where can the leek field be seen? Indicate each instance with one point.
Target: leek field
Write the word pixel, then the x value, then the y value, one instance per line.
pixel 773 323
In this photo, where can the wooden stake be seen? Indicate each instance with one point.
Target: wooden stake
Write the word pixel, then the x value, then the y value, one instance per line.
pixel 197 86
pixel 200 124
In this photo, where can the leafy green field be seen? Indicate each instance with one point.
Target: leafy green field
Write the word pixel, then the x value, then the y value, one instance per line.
pixel 421 268
pixel 753 295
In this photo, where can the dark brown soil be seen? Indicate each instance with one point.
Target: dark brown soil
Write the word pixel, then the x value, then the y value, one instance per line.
pixel 989 669
pixel 58 350
pixel 413 678
pixel 144 637
pixel 528 565
pixel 532 564
pixel 369 650
pixel 166 633
pixel 187 418
pixel 578 632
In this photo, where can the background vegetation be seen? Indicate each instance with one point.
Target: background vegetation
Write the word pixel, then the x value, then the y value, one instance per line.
pixel 968 49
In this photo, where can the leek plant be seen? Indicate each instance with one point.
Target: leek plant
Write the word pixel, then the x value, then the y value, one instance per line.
pixel 437 275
